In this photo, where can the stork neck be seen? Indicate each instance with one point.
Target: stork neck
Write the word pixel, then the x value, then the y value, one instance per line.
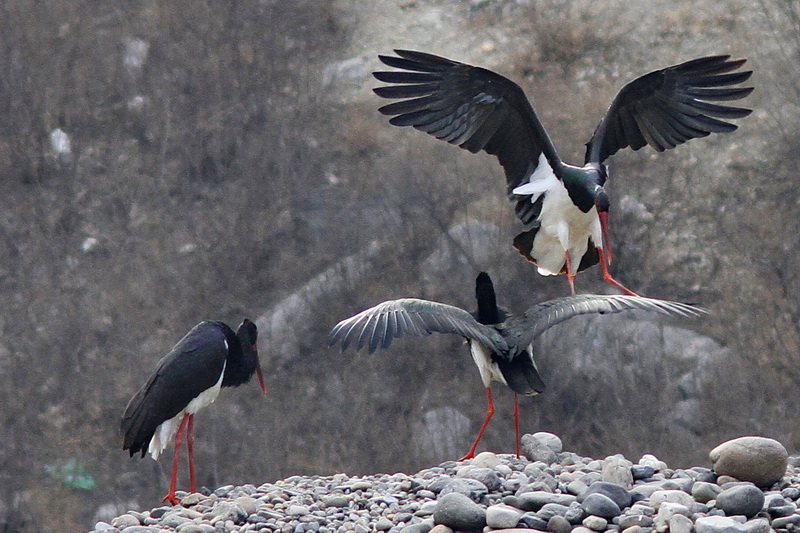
pixel 242 357
pixel 488 312
pixel 583 185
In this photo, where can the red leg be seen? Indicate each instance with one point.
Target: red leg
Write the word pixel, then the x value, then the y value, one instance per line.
pixel 608 278
pixel 190 448
pixel 170 497
pixel 570 275
pixel 489 413
pixel 516 421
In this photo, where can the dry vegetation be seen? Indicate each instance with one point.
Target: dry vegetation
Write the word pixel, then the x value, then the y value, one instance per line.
pixel 213 174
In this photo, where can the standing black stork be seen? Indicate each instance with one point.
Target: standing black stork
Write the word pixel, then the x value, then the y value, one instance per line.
pixel 501 344
pixel 188 378
pixel 562 207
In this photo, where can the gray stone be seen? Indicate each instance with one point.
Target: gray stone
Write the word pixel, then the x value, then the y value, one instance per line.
pixel 704 492
pixel 745 500
pixel 617 470
pixel 575 514
pixel 420 527
pixel 125 520
pixel 652 461
pixel 471 488
pixel 338 500
pixel 558 524
pixel 600 505
pixel 781 523
pixel 642 471
pixel 759 460
pixel 665 513
pixel 248 504
pixel 641 520
pixel 532 521
pixel 615 492
pixel 595 523
pixel 196 528
pixel 757 525
pixel 458 512
pixel 487 476
pixel 486 460
pixel 383 524
pixel 140 529
pixel 680 524
pixel 552 441
pixel 550 510
pixel 791 493
pixel 537 450
pixel 534 500
pixel 718 524
pixel 671 496
pixel 502 516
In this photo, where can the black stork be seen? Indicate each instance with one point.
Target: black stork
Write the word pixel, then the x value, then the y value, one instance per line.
pixel 501 344
pixel 563 208
pixel 211 356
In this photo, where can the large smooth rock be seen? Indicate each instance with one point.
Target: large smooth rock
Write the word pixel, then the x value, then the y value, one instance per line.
pixel 760 460
pixel 459 513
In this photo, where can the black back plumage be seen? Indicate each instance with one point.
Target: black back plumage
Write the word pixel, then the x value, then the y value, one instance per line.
pixel 191 367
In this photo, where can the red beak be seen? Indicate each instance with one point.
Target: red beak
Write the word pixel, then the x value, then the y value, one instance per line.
pixel 261 380
pixel 260 376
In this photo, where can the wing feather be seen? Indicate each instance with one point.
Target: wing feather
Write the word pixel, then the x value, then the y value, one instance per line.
pixel 545 315
pixel 646 110
pixel 472 107
pixel 378 326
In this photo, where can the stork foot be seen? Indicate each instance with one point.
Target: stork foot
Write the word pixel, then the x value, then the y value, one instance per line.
pixel 172 499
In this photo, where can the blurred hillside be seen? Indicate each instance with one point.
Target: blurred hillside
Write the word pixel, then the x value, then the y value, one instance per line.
pixel 169 162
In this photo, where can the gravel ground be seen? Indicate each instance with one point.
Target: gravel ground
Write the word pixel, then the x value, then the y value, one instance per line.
pixel 547 490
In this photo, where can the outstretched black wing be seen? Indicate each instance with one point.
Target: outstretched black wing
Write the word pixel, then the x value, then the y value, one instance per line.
pixel 378 326
pixel 668 107
pixel 547 314
pixel 471 107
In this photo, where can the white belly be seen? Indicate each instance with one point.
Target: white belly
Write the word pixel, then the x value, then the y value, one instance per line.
pixel 563 227
pixel 486 366
pixel 166 431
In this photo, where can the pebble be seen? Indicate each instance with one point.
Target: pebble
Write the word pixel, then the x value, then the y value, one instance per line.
pixel 537 449
pixel 493 493
pixel 745 500
pixel 760 460
pixel 502 516
pixel 703 491
pixel 718 524
pixel 459 513
pixel 616 493
pixel 472 488
pixel 617 470
pixel 559 524
pixel 600 505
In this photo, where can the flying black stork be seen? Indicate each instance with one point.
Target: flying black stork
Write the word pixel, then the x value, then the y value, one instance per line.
pixel 211 356
pixel 563 208
pixel 501 344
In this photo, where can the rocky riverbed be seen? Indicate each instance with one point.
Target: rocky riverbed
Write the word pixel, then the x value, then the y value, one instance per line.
pixel 546 490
